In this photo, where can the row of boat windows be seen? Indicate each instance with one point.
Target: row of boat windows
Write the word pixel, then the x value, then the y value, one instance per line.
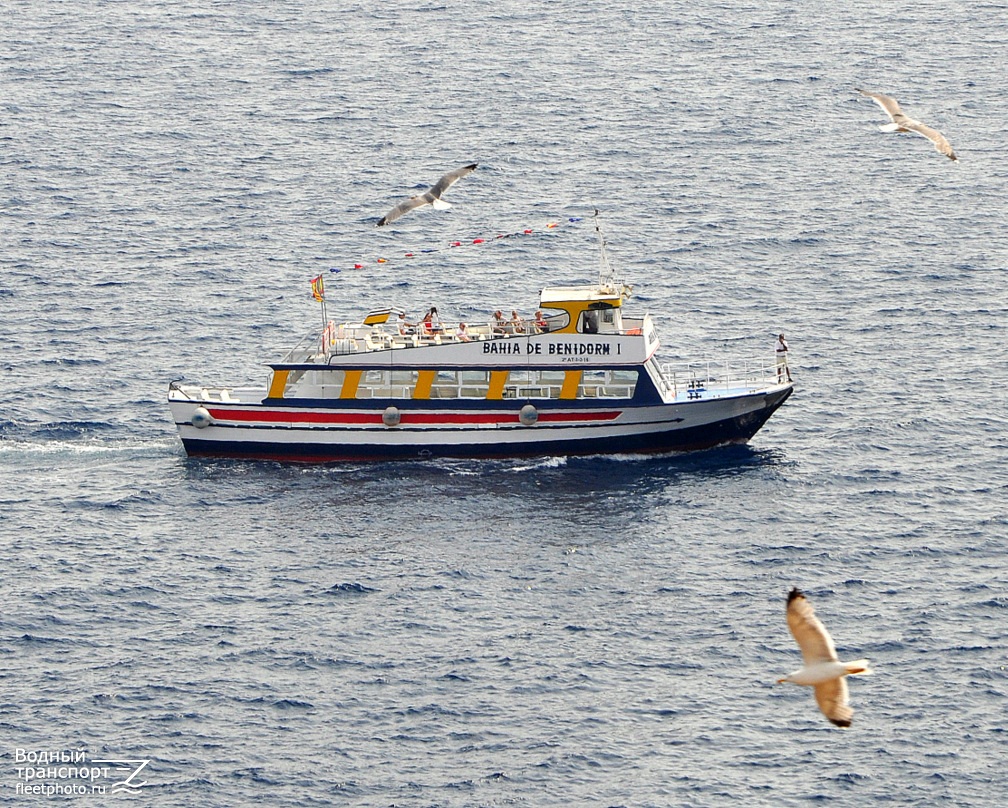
pixel 451 384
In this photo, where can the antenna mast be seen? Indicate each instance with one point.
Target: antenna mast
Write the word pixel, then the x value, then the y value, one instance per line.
pixel 605 268
pixel 607 277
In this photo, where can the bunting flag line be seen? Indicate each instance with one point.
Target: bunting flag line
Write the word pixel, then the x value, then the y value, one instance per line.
pixel 480 240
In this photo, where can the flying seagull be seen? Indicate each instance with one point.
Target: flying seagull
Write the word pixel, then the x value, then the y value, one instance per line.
pixel 901 123
pixel 430 197
pixel 822 669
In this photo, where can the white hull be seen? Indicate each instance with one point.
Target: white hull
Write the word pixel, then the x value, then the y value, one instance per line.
pixel 335 433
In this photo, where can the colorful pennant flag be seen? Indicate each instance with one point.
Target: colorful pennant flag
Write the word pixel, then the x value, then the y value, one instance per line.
pixel 318 289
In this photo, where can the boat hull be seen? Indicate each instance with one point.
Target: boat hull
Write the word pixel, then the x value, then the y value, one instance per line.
pixel 315 434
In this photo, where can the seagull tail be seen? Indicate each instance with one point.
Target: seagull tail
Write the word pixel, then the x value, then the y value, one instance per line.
pixel 858 666
pixel 440 204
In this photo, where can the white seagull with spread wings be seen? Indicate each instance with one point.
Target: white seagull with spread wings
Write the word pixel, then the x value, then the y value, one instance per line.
pixel 822 670
pixel 430 197
pixel 901 123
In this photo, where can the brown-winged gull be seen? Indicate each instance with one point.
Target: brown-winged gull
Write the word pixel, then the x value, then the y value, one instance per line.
pixel 822 669
pixel 430 197
pixel 901 123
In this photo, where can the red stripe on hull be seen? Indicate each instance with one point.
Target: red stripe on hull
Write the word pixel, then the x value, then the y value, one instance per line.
pixel 406 418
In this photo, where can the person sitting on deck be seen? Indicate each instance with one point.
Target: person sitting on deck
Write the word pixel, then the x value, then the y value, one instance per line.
pixel 499 322
pixel 462 335
pixel 405 327
pixel 540 322
pixel 431 322
pixel 517 324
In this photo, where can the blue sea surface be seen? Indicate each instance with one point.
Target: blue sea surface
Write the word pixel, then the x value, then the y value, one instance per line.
pixel 596 631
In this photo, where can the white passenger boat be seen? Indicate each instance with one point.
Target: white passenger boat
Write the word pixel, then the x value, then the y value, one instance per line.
pixel 581 379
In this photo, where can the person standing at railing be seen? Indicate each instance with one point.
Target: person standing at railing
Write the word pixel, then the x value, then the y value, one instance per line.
pixel 782 359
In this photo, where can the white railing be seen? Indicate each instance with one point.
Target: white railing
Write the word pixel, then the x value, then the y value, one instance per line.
pixel 222 395
pixel 714 378
pixel 305 351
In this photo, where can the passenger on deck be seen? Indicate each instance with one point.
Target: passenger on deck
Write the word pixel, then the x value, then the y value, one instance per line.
pixel 431 322
pixel 540 322
pixel 782 363
pixel 462 335
pixel 405 327
pixel 499 322
pixel 517 324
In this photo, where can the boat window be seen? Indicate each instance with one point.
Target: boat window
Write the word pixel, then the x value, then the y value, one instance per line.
pixel 588 323
pixel 554 319
pixel 473 383
pixel 450 384
pixel 517 384
pixel 387 384
pixel 610 321
pixel 446 385
pixel 620 383
pixel 321 383
pixel 607 384
pixel 594 383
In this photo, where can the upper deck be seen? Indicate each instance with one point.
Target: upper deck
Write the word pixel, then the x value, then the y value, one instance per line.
pixel 575 326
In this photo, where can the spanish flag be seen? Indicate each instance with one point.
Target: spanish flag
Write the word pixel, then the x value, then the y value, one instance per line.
pixel 317 289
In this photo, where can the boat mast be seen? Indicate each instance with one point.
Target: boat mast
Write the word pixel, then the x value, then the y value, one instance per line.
pixel 605 268
pixel 318 292
pixel 607 276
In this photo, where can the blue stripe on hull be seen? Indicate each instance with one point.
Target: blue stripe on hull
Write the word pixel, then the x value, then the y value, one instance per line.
pixel 731 430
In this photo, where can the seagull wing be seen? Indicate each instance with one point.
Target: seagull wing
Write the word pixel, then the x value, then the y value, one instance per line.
pixel 936 137
pixel 406 206
pixel 887 102
pixel 449 179
pixel 831 697
pixel 814 641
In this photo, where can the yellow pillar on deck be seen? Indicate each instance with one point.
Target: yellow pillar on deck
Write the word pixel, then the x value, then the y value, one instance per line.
pixel 498 378
pixel 278 384
pixel 572 378
pixel 350 381
pixel 425 380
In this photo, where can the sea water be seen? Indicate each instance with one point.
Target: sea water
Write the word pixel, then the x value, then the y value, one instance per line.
pixel 596 631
